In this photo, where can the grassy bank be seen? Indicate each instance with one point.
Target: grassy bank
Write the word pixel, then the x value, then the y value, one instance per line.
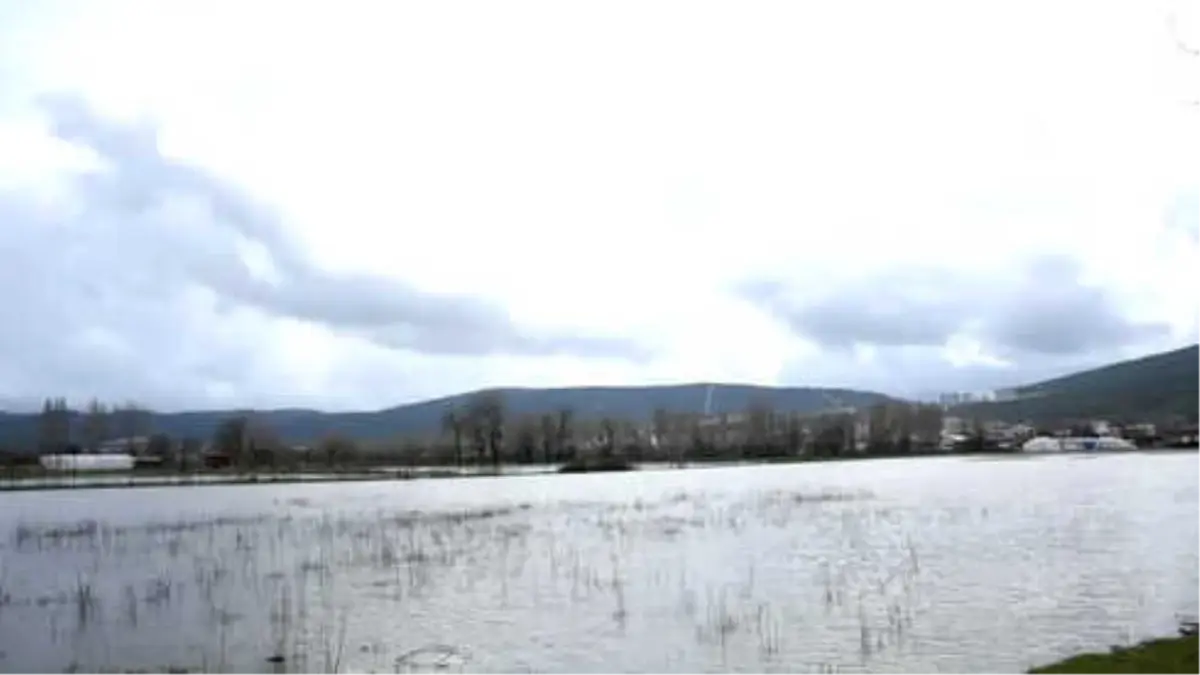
pixel 1166 655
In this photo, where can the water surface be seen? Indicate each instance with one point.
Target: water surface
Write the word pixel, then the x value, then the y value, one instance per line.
pixel 929 564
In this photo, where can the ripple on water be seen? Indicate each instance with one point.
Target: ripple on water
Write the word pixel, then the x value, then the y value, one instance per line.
pixel 908 565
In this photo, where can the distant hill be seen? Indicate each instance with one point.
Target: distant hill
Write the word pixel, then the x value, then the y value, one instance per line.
pixel 638 403
pixel 1153 388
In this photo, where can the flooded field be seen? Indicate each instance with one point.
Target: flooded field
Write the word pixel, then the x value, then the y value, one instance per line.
pixel 892 565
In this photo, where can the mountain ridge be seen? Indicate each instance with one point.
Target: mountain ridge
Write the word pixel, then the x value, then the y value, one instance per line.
pixel 1159 387
pixel 423 417
pixel 1155 386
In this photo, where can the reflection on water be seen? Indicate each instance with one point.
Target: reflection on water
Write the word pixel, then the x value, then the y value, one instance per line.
pixel 904 565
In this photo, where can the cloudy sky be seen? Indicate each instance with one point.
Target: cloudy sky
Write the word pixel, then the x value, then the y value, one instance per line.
pixel 356 204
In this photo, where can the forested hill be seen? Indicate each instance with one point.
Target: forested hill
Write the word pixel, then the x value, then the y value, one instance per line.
pixel 1158 388
pixel 636 403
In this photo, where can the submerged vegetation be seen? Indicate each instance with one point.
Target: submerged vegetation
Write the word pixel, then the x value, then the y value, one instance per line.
pixel 241 592
pixel 761 568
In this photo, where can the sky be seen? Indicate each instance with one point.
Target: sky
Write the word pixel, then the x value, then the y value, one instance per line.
pixel 355 205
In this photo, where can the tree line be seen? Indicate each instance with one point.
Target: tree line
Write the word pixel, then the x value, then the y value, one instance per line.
pixel 482 431
pixel 99 423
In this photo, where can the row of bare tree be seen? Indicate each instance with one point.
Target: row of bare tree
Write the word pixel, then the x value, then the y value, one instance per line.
pixel 100 422
pixel 482 430
pixel 481 422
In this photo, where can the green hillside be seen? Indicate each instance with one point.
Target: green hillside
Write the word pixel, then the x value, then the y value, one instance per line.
pixel 1157 388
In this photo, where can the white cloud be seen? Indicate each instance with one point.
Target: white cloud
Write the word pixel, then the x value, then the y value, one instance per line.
pixel 612 170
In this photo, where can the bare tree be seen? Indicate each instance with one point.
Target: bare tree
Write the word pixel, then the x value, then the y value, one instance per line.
pixel 526 441
pixel 95 425
pixel 978 437
pixel 662 430
pixel 795 434
pixel 479 438
pixel 189 449
pixel 486 412
pixel 833 435
pixel 878 432
pixel 928 425
pixel 565 432
pixel 54 426
pixel 758 422
pixel 130 421
pixel 699 442
pixel 232 439
pixel 265 446
pixel 454 422
pixel 413 450
pixel 905 427
pixel 160 446
pixel 608 436
pixel 337 449
pixel 549 428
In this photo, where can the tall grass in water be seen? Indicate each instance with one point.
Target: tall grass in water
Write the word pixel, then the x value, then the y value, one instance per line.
pixel 275 590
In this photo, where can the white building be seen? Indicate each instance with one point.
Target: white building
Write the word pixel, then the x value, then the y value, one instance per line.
pixel 1043 444
pixel 84 462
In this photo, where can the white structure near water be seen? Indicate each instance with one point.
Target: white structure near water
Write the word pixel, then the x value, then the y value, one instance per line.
pixel 1077 444
pixel 84 462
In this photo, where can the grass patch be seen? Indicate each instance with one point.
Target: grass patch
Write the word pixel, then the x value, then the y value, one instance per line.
pixel 1166 655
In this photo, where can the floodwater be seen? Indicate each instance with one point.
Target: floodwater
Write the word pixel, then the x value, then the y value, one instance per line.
pixel 933 564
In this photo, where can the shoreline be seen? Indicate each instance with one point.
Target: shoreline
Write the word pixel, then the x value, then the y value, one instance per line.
pixel 112 480
pixel 133 479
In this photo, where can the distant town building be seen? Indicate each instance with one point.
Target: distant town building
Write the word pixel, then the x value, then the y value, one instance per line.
pixel 132 445
pixel 962 397
pixel 954 425
pixel 952 398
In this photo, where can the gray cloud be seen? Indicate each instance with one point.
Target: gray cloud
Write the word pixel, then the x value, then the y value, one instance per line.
pixel 922 372
pixel 896 308
pixel 81 314
pixel 1045 310
pixel 1051 312
pixel 140 184
pixel 132 284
